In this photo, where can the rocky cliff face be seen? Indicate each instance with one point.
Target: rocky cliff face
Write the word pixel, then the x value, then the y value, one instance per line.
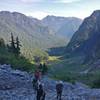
pixel 87 37
pixel 17 85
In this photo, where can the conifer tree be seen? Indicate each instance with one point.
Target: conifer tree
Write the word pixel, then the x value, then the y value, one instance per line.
pixel 17 46
pixel 12 44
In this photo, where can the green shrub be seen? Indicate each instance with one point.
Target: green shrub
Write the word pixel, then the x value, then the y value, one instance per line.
pixel 65 77
pixel 17 62
pixel 96 84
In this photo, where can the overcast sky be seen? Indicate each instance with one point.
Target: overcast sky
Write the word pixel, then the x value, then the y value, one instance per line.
pixel 42 8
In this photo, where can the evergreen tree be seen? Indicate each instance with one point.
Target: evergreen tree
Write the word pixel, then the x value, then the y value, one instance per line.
pixel 17 46
pixel 12 44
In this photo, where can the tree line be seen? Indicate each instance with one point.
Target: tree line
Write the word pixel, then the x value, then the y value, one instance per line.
pixel 13 47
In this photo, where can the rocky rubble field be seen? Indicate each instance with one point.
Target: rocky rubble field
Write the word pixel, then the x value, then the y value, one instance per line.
pixel 17 85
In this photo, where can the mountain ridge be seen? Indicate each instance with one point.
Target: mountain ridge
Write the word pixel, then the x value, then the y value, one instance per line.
pixel 63 26
pixel 86 39
pixel 32 32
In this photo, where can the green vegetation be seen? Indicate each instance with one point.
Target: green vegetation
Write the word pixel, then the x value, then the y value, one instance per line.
pixel 72 70
pixel 40 56
pixel 14 46
pixel 65 77
pixel 44 68
pixel 66 68
pixel 96 83
pixel 53 58
pixel 9 56
pixel 16 62
pixel 94 79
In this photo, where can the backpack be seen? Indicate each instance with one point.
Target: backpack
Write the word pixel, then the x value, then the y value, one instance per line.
pixel 59 87
pixel 35 84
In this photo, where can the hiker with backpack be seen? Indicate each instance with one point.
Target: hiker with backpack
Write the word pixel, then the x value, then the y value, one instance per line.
pixel 37 75
pixel 36 79
pixel 40 93
pixel 35 84
pixel 59 89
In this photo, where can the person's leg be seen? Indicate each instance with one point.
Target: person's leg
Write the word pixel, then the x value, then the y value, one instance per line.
pixel 38 97
pixel 44 96
pixel 57 96
pixel 60 95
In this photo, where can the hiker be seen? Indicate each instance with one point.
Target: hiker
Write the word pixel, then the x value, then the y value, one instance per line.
pixel 35 84
pixel 44 69
pixel 40 67
pixel 40 93
pixel 37 75
pixel 59 89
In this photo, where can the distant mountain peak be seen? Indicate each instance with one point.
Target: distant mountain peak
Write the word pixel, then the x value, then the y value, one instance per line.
pixel 59 17
pixel 96 12
pixel 5 12
pixel 64 26
pixel 8 12
pixel 17 13
pixel 95 15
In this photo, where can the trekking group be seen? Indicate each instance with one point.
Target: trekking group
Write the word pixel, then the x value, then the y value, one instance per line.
pixel 39 87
